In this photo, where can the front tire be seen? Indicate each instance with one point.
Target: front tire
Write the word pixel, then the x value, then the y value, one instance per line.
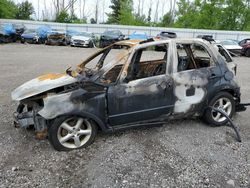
pixel 71 132
pixel 248 52
pixel 223 101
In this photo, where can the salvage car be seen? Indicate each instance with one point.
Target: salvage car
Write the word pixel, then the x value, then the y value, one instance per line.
pixel 245 44
pixel 35 36
pixel 84 39
pixel 109 37
pixel 10 32
pixel 233 47
pixel 138 36
pixel 57 37
pixel 166 35
pixel 128 84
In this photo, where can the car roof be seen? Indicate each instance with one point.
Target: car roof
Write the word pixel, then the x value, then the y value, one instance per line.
pixel 155 41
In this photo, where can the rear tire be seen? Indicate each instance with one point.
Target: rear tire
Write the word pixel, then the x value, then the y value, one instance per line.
pixel 223 101
pixel 248 52
pixel 71 132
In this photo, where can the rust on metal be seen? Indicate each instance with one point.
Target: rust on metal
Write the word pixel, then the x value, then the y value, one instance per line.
pixel 50 76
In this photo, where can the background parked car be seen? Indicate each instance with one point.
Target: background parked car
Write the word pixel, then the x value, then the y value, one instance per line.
pixel 138 36
pixel 56 37
pixel 109 37
pixel 69 34
pixel 245 44
pixel 233 47
pixel 7 33
pixel 166 35
pixel 84 39
pixel 35 35
pixel 19 30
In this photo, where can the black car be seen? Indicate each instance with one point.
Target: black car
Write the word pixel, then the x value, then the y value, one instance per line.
pixel 126 85
pixel 109 37
pixel 166 35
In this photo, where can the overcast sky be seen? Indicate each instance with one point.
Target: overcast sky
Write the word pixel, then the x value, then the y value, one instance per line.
pixel 43 5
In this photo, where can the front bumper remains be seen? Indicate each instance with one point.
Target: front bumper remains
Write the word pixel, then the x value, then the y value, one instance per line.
pixel 24 119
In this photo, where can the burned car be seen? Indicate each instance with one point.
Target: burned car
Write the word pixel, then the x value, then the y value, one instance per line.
pixel 128 84
pixel 57 37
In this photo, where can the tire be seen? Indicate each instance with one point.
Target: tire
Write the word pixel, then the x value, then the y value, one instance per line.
pixel 248 52
pixel 91 45
pixel 223 101
pixel 71 132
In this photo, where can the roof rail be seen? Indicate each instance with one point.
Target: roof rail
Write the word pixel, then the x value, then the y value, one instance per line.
pixel 148 40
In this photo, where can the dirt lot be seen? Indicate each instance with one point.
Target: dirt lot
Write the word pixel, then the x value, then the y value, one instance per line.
pixel 184 153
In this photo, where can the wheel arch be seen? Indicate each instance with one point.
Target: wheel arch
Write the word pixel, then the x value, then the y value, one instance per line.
pixel 100 124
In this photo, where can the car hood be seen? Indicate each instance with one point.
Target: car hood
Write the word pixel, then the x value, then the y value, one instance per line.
pixel 80 38
pixel 109 37
pixel 41 84
pixel 29 35
pixel 232 47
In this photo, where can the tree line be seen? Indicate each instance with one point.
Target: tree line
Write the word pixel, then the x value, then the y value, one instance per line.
pixel 196 14
pixel 10 10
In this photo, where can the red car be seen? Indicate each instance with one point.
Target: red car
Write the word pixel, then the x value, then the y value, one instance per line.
pixel 245 47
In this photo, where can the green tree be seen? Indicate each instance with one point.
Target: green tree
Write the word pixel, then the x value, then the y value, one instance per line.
pixel 7 9
pixel 126 16
pixel 24 10
pixel 63 17
pixel 149 15
pixel 233 15
pixel 214 14
pixel 166 20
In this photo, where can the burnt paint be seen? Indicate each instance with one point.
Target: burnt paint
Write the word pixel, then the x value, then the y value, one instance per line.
pixel 140 100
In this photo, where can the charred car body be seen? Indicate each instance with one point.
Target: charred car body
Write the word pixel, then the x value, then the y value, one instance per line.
pixel 125 85
pixel 57 37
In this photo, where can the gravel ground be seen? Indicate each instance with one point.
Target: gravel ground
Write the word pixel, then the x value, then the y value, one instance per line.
pixel 183 153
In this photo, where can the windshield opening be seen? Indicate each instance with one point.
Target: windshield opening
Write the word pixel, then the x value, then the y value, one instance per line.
pixel 108 57
pixel 30 31
pixel 84 34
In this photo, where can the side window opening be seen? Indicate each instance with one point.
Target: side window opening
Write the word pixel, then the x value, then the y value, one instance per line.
pixel 193 56
pixel 148 62
pixel 112 75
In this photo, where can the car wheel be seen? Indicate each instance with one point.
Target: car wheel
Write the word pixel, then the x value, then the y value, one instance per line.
pixel 223 101
pixel 91 45
pixel 71 132
pixel 248 52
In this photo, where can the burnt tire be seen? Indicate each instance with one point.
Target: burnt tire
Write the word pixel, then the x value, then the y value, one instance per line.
pixel 71 132
pixel 248 52
pixel 223 101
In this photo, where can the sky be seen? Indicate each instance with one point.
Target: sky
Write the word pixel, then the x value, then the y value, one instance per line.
pixel 45 8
